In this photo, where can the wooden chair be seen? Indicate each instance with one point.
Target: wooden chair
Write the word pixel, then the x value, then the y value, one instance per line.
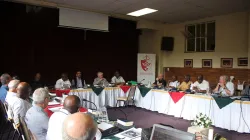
pixel 5 125
pixel 21 130
pixel 129 98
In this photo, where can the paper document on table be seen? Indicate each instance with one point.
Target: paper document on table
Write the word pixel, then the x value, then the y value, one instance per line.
pixel 235 97
pixel 132 133
pixel 53 103
pixel 104 126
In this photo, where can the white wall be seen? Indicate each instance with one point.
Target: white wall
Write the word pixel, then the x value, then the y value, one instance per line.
pixel 231 41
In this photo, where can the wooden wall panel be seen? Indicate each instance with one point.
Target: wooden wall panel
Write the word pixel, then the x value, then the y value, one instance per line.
pixel 210 74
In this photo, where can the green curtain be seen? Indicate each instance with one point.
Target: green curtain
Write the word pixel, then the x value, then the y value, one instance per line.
pixel 144 91
pixel 223 101
pixel 97 90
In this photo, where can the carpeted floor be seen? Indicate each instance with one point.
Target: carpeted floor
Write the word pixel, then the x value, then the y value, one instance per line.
pixel 145 119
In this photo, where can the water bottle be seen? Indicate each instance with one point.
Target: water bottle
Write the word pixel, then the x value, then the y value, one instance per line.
pixel 103 114
pixel 103 85
pixel 85 86
pixel 149 84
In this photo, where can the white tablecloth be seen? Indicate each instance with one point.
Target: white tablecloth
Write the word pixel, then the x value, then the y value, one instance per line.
pixel 229 117
pixel 107 97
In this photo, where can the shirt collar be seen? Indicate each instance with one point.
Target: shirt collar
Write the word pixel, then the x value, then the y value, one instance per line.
pixel 37 107
pixel 65 111
pixel 4 86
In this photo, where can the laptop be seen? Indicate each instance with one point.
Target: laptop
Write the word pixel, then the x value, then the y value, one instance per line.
pixel 161 132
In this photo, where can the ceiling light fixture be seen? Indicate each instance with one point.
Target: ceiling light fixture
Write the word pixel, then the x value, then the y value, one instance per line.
pixel 141 12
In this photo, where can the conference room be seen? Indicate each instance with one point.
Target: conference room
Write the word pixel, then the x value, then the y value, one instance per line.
pixel 125 69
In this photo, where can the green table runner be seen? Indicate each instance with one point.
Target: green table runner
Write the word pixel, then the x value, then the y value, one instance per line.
pixel 223 101
pixel 97 90
pixel 144 91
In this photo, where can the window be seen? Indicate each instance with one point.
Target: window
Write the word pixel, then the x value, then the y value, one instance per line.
pixel 200 37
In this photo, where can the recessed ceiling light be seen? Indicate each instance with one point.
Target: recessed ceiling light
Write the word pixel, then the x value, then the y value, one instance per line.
pixel 141 12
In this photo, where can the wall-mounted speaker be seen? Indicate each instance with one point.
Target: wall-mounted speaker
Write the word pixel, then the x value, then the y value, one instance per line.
pixel 167 43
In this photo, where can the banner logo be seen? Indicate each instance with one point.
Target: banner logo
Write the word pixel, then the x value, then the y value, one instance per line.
pixel 146 63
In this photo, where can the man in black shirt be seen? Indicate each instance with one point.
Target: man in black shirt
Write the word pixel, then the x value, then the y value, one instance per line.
pixel 160 82
pixel 37 83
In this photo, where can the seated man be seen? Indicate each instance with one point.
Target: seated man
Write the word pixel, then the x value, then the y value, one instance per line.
pixel 36 83
pixel 20 105
pixel 174 82
pixel 71 105
pixel 12 91
pixel 100 81
pixel 224 87
pixel 246 90
pixel 185 85
pixel 37 120
pixel 5 79
pixel 117 79
pixel 201 85
pixel 160 82
pixel 79 126
pixel 78 82
pixel 63 83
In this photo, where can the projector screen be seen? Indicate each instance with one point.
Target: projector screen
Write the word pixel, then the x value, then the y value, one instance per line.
pixel 82 19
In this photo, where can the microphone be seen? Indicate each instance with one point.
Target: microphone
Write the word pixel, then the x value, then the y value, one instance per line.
pixel 85 100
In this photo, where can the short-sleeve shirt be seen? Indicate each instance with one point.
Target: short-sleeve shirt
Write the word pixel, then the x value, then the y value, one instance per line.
pixel 37 121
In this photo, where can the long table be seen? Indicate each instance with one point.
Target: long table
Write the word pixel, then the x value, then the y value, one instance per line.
pixel 235 116
pixel 108 97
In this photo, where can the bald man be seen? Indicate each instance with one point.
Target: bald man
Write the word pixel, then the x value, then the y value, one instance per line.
pixel 160 82
pixel 79 126
pixel 20 104
pixel 71 105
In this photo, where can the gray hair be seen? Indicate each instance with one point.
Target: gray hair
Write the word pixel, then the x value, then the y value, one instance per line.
pixel 100 73
pixel 5 78
pixel 13 84
pixel 40 95
pixel 225 78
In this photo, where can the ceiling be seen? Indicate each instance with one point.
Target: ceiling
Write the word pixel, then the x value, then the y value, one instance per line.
pixel 170 11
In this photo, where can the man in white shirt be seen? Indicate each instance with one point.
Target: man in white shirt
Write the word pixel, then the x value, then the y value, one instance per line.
pixel 63 83
pixel 117 79
pixel 12 91
pixel 36 119
pixel 224 87
pixel 20 105
pixel 71 105
pixel 174 82
pixel 201 85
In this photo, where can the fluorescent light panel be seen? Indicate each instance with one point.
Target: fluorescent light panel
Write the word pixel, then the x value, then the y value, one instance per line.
pixel 141 12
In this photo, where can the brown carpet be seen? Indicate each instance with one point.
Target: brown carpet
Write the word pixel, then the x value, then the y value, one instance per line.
pixel 145 119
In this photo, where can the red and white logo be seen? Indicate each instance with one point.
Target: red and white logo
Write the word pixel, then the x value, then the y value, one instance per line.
pixel 146 63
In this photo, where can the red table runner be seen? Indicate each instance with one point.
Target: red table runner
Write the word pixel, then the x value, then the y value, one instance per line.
pixel 51 106
pixel 125 88
pixel 176 96
pixel 60 92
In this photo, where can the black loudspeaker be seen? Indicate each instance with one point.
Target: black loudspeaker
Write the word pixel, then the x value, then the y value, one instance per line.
pixel 167 43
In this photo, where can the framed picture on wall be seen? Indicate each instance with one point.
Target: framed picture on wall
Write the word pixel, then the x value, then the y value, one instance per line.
pixel 226 62
pixel 206 63
pixel 188 63
pixel 243 61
